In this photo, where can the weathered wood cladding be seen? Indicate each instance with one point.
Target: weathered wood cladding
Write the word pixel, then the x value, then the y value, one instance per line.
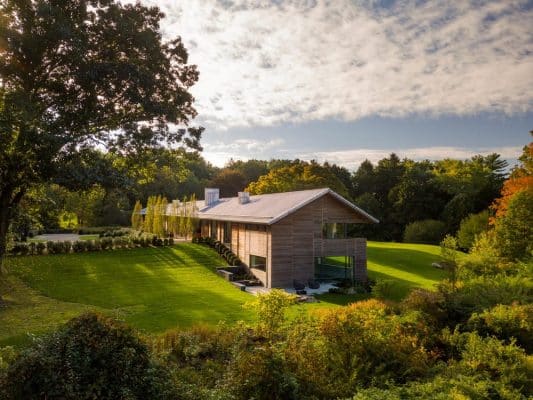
pixel 291 244
pixel 297 240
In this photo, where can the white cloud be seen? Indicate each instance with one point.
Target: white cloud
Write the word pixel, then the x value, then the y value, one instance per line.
pixel 219 153
pixel 264 64
pixel 352 158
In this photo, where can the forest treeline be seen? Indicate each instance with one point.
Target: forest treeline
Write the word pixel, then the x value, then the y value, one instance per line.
pixel 101 189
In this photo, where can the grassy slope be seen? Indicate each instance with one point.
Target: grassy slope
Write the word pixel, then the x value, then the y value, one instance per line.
pixel 152 289
pixel 157 289
pixel 408 264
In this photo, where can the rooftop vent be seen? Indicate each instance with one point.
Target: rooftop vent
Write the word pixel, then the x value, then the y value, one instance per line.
pixel 211 196
pixel 244 197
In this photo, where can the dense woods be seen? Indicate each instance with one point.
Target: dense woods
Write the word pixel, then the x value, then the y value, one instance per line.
pixel 436 195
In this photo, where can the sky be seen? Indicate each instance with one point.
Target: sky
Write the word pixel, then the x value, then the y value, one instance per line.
pixel 345 80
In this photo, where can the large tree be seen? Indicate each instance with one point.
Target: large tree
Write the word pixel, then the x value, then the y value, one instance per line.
pixel 75 74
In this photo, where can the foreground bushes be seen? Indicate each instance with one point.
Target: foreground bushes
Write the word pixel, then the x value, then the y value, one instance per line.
pixel 370 350
pixel 91 357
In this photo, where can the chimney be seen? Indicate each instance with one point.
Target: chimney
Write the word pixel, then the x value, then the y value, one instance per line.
pixel 244 197
pixel 211 196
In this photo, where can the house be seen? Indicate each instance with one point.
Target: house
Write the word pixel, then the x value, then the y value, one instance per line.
pixel 283 237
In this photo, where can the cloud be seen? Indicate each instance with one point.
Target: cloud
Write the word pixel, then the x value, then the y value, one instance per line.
pixel 219 153
pixel 352 158
pixel 266 63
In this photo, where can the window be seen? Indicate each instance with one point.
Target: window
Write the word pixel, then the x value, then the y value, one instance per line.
pixel 227 232
pixel 334 230
pixel 258 262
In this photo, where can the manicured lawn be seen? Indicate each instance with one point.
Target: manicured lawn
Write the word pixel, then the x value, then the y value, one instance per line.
pixel 409 265
pixel 155 289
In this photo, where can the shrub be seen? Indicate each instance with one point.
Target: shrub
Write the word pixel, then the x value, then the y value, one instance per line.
pixel 384 288
pixel 91 357
pixel 67 246
pixel 39 248
pixel 106 243
pixel 50 247
pixel 32 247
pixel 78 246
pixel 20 249
pixel 504 363
pixel 427 231
pixel 470 228
pixel 506 322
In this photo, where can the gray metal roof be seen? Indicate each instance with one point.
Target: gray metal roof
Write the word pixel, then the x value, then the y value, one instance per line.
pixel 269 208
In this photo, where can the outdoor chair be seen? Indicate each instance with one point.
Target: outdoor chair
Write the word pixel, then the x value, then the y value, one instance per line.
pixel 313 284
pixel 298 285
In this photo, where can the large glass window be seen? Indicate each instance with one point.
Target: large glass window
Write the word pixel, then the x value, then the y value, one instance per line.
pixel 334 230
pixel 258 262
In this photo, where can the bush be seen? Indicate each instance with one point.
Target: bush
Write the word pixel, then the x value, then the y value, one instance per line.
pixel 50 247
pixel 471 227
pixel 67 246
pixel 78 246
pixel 106 243
pixel 384 288
pixel 91 357
pixel 39 248
pixel 427 231
pixel 506 322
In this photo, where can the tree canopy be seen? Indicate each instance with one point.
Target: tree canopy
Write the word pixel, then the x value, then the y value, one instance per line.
pixel 77 74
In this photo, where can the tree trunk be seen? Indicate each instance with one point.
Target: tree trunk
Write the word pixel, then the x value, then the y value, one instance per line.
pixel 8 200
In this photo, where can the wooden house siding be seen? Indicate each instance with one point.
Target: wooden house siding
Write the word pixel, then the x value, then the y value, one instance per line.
pixel 295 239
pixel 291 244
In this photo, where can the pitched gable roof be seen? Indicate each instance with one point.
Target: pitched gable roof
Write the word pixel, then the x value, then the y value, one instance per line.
pixel 270 208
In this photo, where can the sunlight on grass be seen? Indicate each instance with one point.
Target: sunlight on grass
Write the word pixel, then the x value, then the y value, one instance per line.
pixel 155 289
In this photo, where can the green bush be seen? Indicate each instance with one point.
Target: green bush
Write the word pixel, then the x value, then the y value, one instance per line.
pixel 470 228
pixel 506 322
pixel 92 357
pixel 78 246
pixel 514 231
pixel 50 247
pixel 384 288
pixel 67 246
pixel 427 231
pixel 106 243
pixel 39 248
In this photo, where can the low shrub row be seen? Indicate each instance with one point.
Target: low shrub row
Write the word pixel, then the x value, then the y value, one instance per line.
pixel 221 248
pixel 116 233
pixel 80 246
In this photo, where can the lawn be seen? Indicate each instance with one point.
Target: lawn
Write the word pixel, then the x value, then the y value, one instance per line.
pixel 407 264
pixel 155 289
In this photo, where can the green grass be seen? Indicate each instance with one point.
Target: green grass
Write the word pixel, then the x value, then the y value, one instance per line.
pixel 407 264
pixel 155 289
pixel 89 237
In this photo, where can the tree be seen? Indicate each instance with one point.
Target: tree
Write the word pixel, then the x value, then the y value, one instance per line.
pixel 136 217
pixel 74 74
pixel 299 176
pixel 230 182
pixel 514 231
pixel 149 215
pixel 471 227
